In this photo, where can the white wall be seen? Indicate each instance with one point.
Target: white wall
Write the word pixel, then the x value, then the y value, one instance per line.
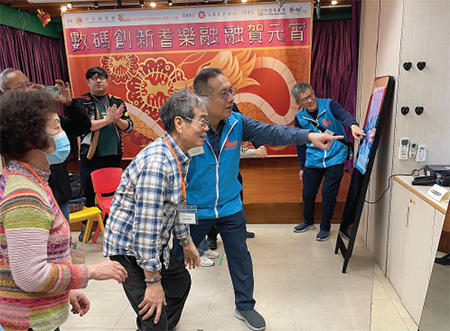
pixel 394 31
pixel 426 38
pixel 380 48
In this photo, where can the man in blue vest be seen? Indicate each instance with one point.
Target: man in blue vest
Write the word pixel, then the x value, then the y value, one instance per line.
pixel 213 184
pixel 317 164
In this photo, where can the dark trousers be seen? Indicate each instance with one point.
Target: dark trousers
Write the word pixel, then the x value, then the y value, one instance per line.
pixel 232 229
pixel 212 234
pixel 88 166
pixel 176 282
pixel 312 177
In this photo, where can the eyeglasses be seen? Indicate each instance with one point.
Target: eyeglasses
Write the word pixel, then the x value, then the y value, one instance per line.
pixel 224 94
pixel 95 78
pixel 202 123
pixel 21 86
pixel 312 96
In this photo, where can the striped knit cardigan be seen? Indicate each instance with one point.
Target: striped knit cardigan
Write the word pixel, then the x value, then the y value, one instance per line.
pixel 36 273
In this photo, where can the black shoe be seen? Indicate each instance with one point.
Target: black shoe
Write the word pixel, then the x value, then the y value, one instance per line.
pixel 345 234
pixel 81 236
pixel 445 260
pixel 82 231
pixel 250 234
pixel 252 318
pixel 212 243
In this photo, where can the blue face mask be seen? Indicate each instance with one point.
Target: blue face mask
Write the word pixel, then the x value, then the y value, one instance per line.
pixel 62 149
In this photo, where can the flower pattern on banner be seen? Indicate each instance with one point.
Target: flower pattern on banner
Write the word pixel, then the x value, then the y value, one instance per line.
pixel 121 68
pixel 152 85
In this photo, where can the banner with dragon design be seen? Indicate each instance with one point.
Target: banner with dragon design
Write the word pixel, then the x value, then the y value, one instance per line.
pixel 263 50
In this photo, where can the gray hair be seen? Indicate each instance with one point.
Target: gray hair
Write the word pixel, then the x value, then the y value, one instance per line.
pixel 4 81
pixel 201 86
pixel 300 88
pixel 182 104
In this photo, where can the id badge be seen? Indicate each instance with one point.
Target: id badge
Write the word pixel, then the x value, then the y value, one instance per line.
pixel 187 214
pixel 196 151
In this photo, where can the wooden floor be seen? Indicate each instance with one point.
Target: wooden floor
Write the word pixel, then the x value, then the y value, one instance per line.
pixel 273 192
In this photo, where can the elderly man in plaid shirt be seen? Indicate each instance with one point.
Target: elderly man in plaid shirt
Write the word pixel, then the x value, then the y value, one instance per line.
pixel 148 207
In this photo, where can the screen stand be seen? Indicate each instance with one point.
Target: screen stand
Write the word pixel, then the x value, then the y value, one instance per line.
pixel 379 103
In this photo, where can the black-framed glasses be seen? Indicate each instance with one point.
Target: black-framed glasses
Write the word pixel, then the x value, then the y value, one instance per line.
pixel 224 94
pixel 95 78
pixel 203 123
pixel 311 97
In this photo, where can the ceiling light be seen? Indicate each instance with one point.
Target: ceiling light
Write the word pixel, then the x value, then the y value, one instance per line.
pixel 206 1
pixel 243 1
pixel 170 2
pixel 63 9
pixel 141 2
pixel 95 4
pixel 153 4
pixel 334 2
pixel 69 5
pixel 53 1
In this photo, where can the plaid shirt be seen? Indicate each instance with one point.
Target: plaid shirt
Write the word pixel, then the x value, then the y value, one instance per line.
pixel 143 211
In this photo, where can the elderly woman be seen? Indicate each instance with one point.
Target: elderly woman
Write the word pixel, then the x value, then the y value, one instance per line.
pixel 36 273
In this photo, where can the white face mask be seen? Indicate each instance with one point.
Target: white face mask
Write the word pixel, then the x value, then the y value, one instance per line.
pixel 62 149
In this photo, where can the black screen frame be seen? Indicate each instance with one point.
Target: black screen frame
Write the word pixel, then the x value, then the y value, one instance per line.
pixel 359 181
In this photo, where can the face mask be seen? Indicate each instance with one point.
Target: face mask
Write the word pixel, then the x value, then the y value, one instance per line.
pixel 62 149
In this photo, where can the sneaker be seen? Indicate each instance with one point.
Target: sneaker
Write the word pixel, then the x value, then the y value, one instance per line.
pixel 445 260
pixel 212 243
pixel 211 254
pixel 205 261
pixel 323 235
pixel 303 227
pixel 250 234
pixel 345 234
pixel 252 318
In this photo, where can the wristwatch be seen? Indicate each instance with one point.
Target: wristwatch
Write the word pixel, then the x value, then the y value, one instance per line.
pixel 186 241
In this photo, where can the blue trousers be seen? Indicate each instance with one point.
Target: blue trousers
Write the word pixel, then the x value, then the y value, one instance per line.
pixel 312 177
pixel 232 230
pixel 65 210
pixel 203 247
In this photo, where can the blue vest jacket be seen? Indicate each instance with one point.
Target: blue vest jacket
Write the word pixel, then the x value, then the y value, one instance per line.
pixel 337 153
pixel 212 181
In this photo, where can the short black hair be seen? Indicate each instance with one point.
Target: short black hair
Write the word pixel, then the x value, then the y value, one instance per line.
pixel 96 71
pixel 181 103
pixel 201 86
pixel 23 119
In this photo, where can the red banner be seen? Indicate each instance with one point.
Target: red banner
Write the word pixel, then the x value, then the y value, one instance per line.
pixel 262 49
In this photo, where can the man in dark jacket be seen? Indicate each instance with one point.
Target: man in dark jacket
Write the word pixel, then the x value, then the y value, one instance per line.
pixel 101 146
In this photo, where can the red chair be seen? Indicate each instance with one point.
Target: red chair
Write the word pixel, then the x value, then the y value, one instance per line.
pixel 105 182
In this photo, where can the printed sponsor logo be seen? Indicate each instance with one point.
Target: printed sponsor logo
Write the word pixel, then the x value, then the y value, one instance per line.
pixel 326 123
pixel 230 145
